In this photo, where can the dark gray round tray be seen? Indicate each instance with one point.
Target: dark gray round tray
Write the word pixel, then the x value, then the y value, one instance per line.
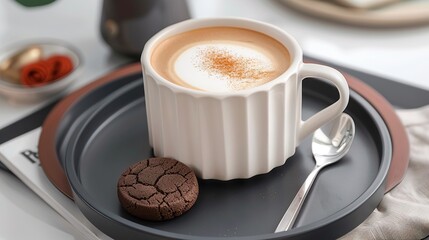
pixel 115 136
pixel 62 125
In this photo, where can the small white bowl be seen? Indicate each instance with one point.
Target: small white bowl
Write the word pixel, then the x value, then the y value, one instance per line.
pixel 22 93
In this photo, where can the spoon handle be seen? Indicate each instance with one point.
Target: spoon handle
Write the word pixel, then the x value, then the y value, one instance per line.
pixel 290 215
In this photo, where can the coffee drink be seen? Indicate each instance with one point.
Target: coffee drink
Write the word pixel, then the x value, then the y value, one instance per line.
pixel 220 59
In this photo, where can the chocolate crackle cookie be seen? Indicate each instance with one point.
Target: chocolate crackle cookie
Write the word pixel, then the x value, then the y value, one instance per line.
pixel 158 189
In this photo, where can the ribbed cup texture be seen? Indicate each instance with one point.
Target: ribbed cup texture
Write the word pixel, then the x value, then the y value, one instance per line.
pixel 223 138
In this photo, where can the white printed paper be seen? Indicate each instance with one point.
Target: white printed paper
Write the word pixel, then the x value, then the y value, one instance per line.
pixel 21 157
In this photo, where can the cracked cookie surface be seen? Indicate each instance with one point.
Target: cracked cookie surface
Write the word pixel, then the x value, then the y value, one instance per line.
pixel 158 189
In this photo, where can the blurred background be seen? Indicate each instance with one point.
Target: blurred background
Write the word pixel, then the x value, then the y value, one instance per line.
pixel 389 40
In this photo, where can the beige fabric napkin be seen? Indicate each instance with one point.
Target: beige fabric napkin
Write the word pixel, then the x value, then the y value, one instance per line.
pixel 404 211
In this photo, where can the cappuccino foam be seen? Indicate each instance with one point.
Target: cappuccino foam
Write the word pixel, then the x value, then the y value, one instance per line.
pixel 220 59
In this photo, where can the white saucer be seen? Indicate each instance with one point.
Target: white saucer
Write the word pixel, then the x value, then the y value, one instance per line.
pixel 403 13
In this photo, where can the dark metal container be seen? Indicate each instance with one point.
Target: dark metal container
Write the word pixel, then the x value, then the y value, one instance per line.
pixel 126 25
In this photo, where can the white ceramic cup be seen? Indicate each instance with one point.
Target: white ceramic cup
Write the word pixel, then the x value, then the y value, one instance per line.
pixel 234 134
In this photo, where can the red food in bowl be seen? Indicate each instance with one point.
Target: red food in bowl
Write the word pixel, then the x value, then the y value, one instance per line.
pixel 46 71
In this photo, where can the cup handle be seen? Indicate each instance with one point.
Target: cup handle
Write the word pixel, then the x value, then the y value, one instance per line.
pixel 336 78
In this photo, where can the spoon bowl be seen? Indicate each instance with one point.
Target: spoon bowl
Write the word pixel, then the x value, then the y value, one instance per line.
pixel 331 147
pixel 328 147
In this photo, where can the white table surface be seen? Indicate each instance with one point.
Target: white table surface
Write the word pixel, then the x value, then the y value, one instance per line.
pixel 401 54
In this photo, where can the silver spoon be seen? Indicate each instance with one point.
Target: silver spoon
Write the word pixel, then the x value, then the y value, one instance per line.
pixel 327 149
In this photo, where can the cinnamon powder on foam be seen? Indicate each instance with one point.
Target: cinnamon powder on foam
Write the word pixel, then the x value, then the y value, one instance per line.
pixel 240 72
